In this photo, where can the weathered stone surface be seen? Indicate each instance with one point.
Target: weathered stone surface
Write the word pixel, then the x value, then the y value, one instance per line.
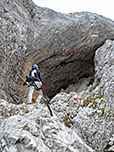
pixel 34 130
pixel 92 116
pixel 85 125
pixel 62 44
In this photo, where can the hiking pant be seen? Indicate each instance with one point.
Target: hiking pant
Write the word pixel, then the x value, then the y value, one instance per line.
pixel 31 91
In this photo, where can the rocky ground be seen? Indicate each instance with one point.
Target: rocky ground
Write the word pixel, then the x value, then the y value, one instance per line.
pixel 83 125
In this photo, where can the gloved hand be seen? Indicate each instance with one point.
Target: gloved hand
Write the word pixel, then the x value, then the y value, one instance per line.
pixel 24 83
pixel 42 89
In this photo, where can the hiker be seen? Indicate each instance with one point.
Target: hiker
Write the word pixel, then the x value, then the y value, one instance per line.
pixel 34 81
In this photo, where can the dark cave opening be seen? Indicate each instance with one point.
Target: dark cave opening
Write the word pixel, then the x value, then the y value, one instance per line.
pixel 66 74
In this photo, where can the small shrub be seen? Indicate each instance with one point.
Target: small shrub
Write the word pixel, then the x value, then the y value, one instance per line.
pixel 27 111
pixel 92 99
pixel 103 109
pixel 67 121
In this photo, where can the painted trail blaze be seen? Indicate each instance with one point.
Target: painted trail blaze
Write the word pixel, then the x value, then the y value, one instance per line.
pixel 76 99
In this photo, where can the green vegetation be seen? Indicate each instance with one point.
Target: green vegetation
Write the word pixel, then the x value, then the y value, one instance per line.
pixel 103 109
pixel 26 111
pixel 107 148
pixel 67 121
pixel 96 103
pixel 92 99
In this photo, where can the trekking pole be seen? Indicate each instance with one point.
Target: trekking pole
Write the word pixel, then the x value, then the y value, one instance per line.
pixel 48 106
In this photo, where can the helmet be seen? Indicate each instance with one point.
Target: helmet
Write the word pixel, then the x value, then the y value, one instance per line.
pixel 34 66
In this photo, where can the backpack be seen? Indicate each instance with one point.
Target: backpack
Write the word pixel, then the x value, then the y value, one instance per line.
pixel 30 78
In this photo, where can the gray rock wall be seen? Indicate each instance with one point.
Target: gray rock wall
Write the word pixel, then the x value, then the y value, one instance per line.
pixel 92 116
pixel 63 45
pixel 83 125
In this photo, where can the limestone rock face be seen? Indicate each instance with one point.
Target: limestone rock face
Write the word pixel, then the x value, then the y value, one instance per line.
pixel 63 45
pixel 68 49
pixel 92 115
pixel 83 125
pixel 34 130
